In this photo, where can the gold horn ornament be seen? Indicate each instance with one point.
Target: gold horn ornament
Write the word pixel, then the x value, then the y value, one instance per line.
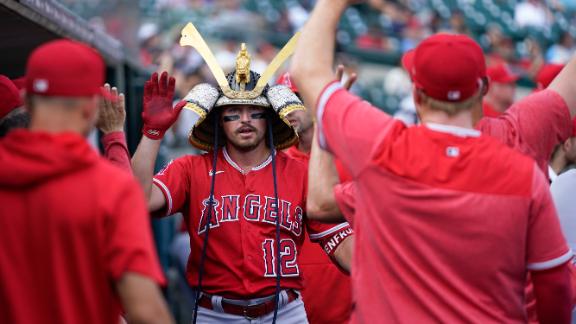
pixel 191 37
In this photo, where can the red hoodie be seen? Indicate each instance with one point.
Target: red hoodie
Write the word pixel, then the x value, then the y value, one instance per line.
pixel 71 225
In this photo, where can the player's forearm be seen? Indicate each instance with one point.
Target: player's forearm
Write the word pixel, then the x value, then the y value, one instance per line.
pixel 142 300
pixel 565 85
pixel 116 151
pixel 143 163
pixel 553 292
pixel 343 253
pixel 314 54
pixel 322 177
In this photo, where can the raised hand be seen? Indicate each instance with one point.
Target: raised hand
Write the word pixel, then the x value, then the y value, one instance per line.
pixel 158 114
pixel 351 78
pixel 112 111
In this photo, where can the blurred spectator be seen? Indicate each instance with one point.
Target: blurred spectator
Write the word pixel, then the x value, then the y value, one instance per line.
pixel 546 75
pixel 150 44
pixel 226 54
pixel 297 16
pixel 264 54
pixel 561 52
pixel 532 13
pixel 458 23
pixel 499 47
pixel 373 39
pixel 501 92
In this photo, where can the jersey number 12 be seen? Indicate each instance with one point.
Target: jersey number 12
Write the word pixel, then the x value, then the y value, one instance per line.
pixel 288 253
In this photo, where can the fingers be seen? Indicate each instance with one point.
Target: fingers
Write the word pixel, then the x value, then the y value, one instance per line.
pixel 163 84
pixel 351 80
pixel 122 103
pixel 339 72
pixel 154 84
pixel 171 87
pixel 118 101
pixel 104 101
pixel 147 89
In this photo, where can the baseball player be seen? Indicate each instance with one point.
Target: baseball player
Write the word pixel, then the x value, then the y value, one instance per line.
pixel 430 257
pixel 111 117
pixel 75 231
pixel 500 95
pixel 323 282
pixel 236 270
pixel 12 114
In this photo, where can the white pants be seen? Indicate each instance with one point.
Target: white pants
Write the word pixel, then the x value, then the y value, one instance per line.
pixel 291 313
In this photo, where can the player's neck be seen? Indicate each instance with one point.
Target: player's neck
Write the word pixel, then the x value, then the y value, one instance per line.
pixel 462 119
pixel 496 104
pixel 247 160
pixel 305 140
pixel 558 162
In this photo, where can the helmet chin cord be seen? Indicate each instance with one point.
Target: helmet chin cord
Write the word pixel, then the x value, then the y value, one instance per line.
pixel 211 205
pixel 277 208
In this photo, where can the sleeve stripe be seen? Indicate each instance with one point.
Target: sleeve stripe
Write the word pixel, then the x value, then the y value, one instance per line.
pixel 323 100
pixel 328 232
pixel 166 192
pixel 551 263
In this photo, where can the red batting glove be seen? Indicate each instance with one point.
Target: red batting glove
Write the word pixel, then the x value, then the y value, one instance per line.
pixel 158 114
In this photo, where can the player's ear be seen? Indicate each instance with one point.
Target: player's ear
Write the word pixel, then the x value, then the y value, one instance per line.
pixel 416 96
pixel 485 85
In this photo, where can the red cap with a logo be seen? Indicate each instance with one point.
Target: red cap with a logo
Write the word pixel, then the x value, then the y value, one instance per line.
pixel 447 67
pixel 286 80
pixel 64 68
pixel 501 73
pixel 9 96
pixel 547 74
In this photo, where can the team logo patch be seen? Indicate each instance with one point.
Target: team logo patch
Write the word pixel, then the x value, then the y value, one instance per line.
pixel 452 151
pixel 40 85
pixel 211 172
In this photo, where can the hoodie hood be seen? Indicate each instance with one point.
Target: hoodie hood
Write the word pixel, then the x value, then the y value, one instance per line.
pixel 28 158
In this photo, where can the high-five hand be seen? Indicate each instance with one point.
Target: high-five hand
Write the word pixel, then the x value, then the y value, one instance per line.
pixel 158 114
pixel 112 111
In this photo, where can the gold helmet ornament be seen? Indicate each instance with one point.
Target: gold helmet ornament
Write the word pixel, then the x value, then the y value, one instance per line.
pixel 240 87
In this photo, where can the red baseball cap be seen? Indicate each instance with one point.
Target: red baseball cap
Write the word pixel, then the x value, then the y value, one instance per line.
pixel 447 67
pixel 286 80
pixel 547 74
pixel 9 96
pixel 500 73
pixel 64 68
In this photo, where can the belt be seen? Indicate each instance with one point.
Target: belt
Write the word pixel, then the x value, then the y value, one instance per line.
pixel 249 312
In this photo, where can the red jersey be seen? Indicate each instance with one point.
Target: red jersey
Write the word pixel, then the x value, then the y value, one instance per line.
pixel 327 292
pixel 345 196
pixel 489 111
pixel 454 244
pixel 241 250
pixel 72 224
pixel 533 126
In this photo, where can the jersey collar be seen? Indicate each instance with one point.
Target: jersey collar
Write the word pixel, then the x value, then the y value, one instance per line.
pixel 237 167
pixel 454 130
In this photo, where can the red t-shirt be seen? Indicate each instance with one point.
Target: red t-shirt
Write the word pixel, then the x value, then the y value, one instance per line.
pixel 454 244
pixel 533 126
pixel 240 258
pixel 327 292
pixel 72 224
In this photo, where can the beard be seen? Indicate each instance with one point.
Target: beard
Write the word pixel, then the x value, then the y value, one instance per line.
pixel 246 145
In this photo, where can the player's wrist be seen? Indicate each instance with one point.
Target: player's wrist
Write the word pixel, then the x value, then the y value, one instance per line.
pixel 153 133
